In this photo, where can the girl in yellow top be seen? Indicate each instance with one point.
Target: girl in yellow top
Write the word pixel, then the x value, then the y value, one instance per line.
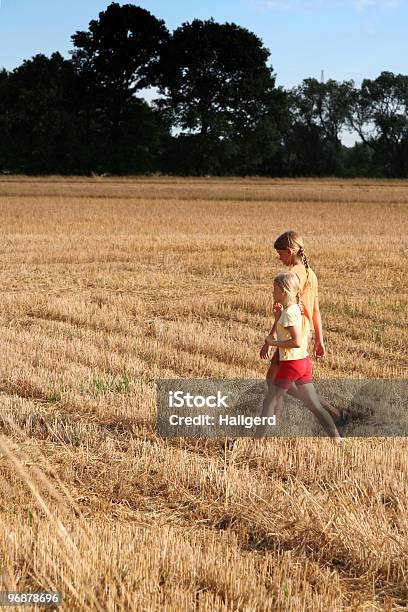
pixel 294 365
pixel 291 251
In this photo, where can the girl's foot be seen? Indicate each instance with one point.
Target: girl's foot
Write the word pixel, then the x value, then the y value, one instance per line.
pixel 339 442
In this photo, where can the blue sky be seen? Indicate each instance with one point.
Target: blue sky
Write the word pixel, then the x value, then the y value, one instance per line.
pixel 348 39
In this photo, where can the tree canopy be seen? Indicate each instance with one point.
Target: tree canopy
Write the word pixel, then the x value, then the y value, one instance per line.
pixel 216 108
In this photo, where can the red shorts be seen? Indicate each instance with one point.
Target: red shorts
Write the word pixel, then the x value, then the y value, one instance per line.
pixel 294 370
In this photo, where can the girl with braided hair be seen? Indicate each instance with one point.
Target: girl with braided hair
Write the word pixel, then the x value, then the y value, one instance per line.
pixel 291 252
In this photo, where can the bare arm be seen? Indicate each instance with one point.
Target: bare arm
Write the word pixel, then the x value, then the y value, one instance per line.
pixel 317 322
pixel 294 342
pixel 277 309
pixel 319 348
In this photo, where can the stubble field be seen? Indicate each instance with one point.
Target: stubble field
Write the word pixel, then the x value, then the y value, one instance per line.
pixel 109 284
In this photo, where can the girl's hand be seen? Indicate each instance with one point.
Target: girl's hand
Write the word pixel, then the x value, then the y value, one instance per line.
pixel 277 309
pixel 319 350
pixel 264 354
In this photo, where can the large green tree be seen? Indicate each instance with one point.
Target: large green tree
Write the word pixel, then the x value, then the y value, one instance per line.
pixel 113 60
pixel 219 94
pixel 319 112
pixel 379 114
pixel 4 80
pixel 38 104
pixel 120 48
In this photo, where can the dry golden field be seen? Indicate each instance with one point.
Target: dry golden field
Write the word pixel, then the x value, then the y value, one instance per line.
pixel 109 284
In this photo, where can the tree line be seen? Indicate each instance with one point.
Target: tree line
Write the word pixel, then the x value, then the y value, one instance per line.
pixel 218 110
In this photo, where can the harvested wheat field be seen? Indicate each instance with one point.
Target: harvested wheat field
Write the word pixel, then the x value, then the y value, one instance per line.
pixel 109 284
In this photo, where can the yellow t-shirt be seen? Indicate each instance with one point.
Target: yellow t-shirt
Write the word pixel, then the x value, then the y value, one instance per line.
pixel 291 317
pixel 308 290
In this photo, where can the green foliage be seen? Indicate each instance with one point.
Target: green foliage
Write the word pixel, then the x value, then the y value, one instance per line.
pixel 398 307
pixel 356 161
pixel 379 113
pixel 112 60
pixel 376 330
pixel 318 113
pixel 55 397
pixel 219 112
pixel 219 91
pixel 115 384
pixel 75 441
pixel 37 116
pixel 119 50
pixel 30 516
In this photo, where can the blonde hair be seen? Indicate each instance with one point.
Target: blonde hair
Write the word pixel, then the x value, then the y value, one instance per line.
pixel 293 241
pixel 289 283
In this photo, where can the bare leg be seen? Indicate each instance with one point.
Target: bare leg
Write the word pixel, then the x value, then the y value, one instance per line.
pixel 310 398
pixel 273 368
pixel 293 391
pixel 270 376
pixel 271 406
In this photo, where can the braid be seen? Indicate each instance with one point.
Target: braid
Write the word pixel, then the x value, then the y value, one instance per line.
pixel 294 242
pixel 304 260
